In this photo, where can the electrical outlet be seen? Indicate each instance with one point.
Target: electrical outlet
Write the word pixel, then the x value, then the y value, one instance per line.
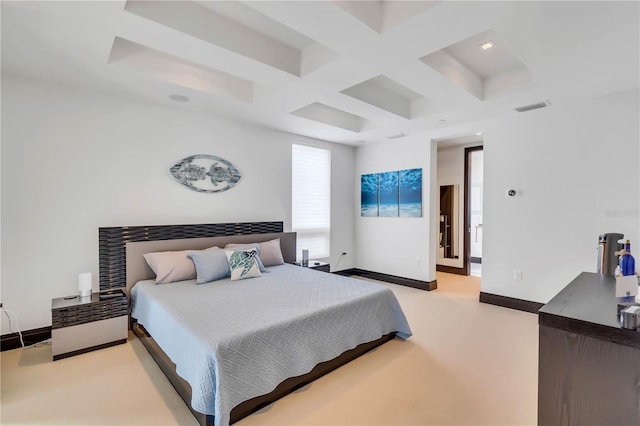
pixel 517 275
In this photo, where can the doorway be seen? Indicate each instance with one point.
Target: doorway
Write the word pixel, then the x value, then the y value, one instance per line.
pixel 452 213
pixel 474 171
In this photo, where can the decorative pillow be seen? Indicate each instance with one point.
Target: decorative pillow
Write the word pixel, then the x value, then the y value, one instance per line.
pixel 211 265
pixel 243 263
pixel 249 246
pixel 270 252
pixel 172 266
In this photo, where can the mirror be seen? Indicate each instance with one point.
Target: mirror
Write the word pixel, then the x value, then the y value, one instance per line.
pixel 449 207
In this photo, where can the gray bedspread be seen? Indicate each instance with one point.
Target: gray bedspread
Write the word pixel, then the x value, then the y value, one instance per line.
pixel 235 340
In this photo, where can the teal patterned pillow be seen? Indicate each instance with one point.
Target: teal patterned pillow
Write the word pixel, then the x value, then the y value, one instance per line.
pixel 243 264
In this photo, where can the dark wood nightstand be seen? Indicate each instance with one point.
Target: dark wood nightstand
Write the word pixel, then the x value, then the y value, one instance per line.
pixel 80 325
pixel 316 265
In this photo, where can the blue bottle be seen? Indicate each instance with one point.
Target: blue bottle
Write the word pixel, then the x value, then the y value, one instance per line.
pixel 627 262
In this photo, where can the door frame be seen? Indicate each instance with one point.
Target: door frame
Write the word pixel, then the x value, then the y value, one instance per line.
pixel 466 256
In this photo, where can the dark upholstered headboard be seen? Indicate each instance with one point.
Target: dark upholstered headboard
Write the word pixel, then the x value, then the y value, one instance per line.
pixel 112 242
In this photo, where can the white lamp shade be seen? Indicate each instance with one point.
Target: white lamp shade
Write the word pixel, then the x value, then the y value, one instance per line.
pixel 84 284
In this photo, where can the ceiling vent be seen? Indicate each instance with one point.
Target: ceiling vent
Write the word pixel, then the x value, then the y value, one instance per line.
pixel 532 106
pixel 398 136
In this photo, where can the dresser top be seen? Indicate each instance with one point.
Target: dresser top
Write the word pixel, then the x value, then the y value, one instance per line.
pixel 588 306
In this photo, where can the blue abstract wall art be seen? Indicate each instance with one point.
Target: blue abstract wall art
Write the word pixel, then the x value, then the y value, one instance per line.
pixel 410 193
pixel 389 191
pixel 391 194
pixel 369 195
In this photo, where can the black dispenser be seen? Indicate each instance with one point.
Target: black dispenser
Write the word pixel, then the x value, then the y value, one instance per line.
pixel 608 245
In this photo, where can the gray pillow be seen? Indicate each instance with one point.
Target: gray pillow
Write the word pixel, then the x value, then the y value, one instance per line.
pixel 211 265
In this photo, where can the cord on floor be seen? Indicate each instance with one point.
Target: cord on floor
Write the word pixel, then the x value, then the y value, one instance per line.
pixel 38 344
pixel 7 312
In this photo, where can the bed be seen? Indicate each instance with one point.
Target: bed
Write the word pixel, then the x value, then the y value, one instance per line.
pixel 232 347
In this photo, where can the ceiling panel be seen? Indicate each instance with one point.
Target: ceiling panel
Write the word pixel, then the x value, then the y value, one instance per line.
pixel 348 72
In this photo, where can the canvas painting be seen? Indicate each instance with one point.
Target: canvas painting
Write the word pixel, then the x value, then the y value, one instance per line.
pixel 391 194
pixel 388 199
pixel 369 195
pixel 410 193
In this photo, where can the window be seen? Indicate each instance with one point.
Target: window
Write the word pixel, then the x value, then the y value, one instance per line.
pixel 311 199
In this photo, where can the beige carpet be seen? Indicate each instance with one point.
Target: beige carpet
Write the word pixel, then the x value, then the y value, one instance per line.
pixel 466 364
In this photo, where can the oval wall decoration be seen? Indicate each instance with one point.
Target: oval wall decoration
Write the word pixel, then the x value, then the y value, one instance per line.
pixel 205 173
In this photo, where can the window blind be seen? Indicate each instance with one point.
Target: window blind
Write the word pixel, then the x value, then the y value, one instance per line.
pixel 311 200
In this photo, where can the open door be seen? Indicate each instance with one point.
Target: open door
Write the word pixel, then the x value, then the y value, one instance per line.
pixel 474 166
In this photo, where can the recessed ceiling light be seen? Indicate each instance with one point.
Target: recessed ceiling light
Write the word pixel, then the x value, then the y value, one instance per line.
pixel 479 134
pixel 487 45
pixel 178 98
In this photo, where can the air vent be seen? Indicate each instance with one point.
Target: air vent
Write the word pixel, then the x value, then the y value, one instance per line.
pixel 532 106
pixel 398 136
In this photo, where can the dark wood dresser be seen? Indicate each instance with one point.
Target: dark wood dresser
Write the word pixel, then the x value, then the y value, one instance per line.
pixel 589 367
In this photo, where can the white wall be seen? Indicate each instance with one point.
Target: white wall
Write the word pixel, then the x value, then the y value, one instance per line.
pixel 397 246
pixel 74 161
pixel 575 168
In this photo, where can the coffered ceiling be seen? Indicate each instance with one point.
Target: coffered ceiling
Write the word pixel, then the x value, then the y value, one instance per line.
pixel 344 71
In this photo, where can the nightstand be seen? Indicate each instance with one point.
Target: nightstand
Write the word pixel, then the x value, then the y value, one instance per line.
pixel 316 265
pixel 80 325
